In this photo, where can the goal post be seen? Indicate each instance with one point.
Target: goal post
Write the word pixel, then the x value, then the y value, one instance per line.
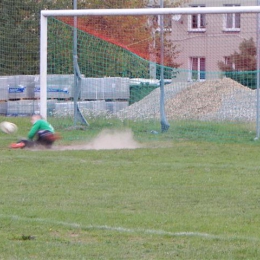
pixel 45 14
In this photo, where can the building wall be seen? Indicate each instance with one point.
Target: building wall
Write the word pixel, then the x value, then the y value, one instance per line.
pixel 214 43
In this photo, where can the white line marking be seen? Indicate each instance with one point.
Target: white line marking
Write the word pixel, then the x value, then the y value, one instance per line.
pixel 128 230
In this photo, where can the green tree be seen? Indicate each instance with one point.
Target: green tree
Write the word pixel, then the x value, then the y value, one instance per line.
pixel 19 34
pixel 17 28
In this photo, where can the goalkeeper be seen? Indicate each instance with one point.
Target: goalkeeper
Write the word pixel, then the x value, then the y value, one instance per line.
pixel 41 133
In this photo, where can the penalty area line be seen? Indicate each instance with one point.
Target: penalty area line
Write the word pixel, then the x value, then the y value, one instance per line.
pixel 127 230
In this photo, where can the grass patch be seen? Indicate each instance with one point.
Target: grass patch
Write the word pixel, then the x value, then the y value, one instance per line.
pixel 185 199
pixel 146 131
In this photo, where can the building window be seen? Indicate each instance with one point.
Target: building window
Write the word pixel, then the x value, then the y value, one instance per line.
pixel 228 62
pixel 167 22
pixel 232 21
pixel 198 68
pixel 197 22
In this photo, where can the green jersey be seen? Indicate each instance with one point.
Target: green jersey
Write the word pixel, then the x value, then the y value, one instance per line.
pixel 39 125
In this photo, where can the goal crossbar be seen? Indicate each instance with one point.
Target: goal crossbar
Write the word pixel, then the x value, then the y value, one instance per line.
pixel 152 11
pixel 117 12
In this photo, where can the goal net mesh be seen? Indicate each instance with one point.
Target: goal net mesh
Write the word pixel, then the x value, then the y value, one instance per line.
pixel 209 70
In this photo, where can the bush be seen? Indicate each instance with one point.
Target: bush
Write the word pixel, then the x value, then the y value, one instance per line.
pixel 246 78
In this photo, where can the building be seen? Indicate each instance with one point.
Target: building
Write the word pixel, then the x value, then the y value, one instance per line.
pixel 205 39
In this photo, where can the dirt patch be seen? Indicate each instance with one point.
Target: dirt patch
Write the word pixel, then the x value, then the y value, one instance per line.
pixel 106 140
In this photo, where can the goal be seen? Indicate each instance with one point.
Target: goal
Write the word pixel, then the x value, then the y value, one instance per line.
pixel 200 70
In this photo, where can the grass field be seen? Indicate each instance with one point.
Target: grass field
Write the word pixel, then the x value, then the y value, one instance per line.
pixel 178 197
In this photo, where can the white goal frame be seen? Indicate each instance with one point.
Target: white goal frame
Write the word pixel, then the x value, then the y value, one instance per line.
pixel 117 12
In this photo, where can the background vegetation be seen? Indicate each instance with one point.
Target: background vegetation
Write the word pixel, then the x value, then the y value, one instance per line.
pixel 241 66
pixel 19 34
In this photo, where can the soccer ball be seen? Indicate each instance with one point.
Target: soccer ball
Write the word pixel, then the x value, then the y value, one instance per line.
pixel 8 127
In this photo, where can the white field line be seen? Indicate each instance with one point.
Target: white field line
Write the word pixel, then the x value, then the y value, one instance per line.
pixel 128 230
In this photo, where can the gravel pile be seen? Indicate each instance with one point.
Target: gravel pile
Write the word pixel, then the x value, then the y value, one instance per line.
pixel 149 107
pixel 222 99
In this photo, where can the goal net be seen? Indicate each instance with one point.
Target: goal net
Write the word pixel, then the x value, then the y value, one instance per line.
pixel 209 69
pixel 191 70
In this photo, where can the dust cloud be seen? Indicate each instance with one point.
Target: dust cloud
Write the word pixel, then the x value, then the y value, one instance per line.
pixel 107 140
